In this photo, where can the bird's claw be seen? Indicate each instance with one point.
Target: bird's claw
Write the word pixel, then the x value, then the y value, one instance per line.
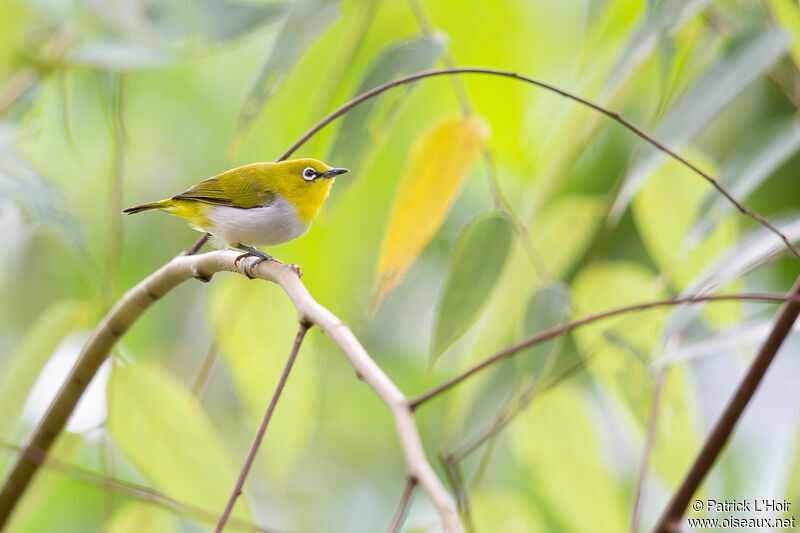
pixel 248 268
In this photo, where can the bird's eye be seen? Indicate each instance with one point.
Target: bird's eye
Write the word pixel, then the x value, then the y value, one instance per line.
pixel 309 174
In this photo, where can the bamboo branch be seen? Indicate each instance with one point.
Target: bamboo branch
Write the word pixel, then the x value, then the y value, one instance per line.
pixel 135 490
pixel 402 507
pixel 251 456
pixel 137 300
pixel 649 441
pixel 363 97
pixel 569 326
pixel 721 432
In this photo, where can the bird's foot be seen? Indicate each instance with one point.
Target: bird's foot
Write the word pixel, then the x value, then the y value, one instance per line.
pixel 253 252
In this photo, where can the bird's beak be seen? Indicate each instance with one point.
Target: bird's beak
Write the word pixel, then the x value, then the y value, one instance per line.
pixel 334 172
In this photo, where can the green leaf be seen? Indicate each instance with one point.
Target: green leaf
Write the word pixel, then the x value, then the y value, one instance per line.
pixel 475 265
pixel 224 20
pixel 661 18
pixel 788 16
pixel 255 326
pixel 563 231
pixel 548 306
pixel 664 211
pixel 505 511
pixel 116 55
pixel 557 439
pixel 31 354
pixel 744 337
pixel 765 150
pixel 136 517
pixel 719 85
pixel 560 234
pixel 355 136
pixel 305 22
pixel 164 432
pixel 621 350
pixel 748 252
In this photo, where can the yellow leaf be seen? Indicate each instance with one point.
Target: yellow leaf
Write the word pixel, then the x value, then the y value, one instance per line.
pixel 432 179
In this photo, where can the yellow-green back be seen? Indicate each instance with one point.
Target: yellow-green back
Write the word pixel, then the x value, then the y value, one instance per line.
pixel 257 184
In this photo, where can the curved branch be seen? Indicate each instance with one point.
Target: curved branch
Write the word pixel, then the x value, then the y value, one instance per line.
pixel 137 300
pixel 723 427
pixel 569 326
pixel 363 97
pixel 134 490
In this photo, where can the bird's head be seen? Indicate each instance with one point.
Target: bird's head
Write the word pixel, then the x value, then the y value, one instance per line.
pixel 305 183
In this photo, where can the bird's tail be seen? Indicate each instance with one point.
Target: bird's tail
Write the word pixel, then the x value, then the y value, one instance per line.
pixel 145 207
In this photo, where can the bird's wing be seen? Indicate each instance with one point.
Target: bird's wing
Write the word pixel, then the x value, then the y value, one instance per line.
pixel 240 187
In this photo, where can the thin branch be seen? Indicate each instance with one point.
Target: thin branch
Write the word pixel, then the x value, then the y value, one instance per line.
pixel 721 432
pixel 650 438
pixel 566 94
pixel 199 244
pixel 137 300
pixel 402 508
pixel 462 500
pixel 251 456
pixel 135 490
pixel 569 326
pixel 467 109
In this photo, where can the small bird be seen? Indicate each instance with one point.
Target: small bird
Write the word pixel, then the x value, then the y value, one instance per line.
pixel 260 204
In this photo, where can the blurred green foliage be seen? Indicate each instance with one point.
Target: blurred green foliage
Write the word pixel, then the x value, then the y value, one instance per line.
pixel 109 104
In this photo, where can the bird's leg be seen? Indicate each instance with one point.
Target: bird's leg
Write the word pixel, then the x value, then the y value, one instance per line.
pixel 253 252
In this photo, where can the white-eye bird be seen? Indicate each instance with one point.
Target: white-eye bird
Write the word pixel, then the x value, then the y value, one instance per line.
pixel 261 204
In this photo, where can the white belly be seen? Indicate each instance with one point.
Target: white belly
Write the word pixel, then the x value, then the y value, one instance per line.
pixel 259 226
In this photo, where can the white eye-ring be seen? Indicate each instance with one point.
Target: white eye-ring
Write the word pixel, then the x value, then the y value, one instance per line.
pixel 309 174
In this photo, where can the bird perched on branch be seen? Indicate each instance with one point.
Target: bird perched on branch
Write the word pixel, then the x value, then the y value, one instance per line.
pixel 261 204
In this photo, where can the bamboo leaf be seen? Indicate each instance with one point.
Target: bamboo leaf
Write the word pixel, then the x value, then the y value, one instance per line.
pixel 475 265
pixel 224 20
pixel 548 306
pixel 765 150
pixel 664 211
pixel 787 14
pixel 433 177
pixel 163 431
pixel 117 55
pixel 748 252
pixel 557 439
pixel 661 18
pixel 719 85
pixel 135 517
pixel 32 353
pixel 622 349
pixel 355 135
pixel 305 22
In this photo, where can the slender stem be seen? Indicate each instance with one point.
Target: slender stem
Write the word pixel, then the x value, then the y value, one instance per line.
pixel 467 109
pixel 566 94
pixel 138 299
pixel 248 464
pixel 199 244
pixel 402 508
pixel 141 492
pixel 733 411
pixel 454 476
pixel 650 438
pixel 564 328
